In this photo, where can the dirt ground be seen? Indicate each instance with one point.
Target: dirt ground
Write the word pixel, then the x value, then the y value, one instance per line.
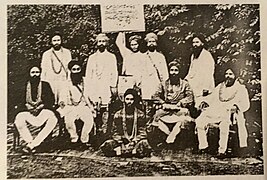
pixel 86 164
pixel 59 160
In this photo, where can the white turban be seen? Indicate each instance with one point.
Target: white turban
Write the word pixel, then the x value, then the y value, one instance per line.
pixel 102 36
pixel 151 35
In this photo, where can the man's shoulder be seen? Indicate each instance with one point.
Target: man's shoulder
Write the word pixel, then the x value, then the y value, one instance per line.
pixel 48 51
pixel 66 50
pixel 110 54
pixel 159 54
pixel 206 52
pixel 118 114
pixel 105 53
pixel 240 85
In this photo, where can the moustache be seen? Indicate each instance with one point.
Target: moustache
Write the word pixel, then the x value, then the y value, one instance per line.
pixel 34 77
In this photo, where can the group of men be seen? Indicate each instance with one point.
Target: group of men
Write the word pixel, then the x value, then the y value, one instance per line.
pixel 58 86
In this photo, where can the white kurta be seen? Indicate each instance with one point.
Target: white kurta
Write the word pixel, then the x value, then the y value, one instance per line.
pixel 101 75
pixel 54 73
pixel 155 72
pixel 134 64
pixel 220 103
pixel 77 107
pixel 201 73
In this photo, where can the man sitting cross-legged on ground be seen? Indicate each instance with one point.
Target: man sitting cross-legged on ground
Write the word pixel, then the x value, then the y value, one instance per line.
pixel 129 130
pixel 36 110
pixel 78 105
pixel 227 103
pixel 176 97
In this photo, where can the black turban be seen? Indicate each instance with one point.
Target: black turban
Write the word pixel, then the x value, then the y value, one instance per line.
pixel 74 62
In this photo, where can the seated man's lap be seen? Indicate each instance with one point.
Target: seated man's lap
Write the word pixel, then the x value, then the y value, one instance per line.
pixel 38 120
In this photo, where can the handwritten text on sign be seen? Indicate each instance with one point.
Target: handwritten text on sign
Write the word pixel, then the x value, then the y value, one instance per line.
pixel 122 18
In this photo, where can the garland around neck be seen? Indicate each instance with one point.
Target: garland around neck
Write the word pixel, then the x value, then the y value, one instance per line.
pixel 29 94
pixel 222 91
pixel 76 103
pixel 134 129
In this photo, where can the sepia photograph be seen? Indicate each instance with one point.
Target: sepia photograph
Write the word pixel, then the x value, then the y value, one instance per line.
pixel 140 89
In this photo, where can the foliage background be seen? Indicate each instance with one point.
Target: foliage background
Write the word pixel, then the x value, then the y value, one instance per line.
pixel 232 33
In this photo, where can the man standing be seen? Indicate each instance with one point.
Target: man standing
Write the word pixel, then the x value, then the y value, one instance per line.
pixel 101 73
pixel 155 68
pixel 38 100
pixel 133 59
pixel 201 71
pixel 176 97
pixel 129 130
pixel 54 64
pixel 78 105
pixel 226 105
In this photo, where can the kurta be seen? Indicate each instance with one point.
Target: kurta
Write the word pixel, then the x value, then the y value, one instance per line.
pixel 101 75
pixel 180 95
pixel 55 71
pixel 201 73
pixel 128 135
pixel 78 107
pixel 155 72
pixel 220 103
pixel 134 64
pixel 118 133
pixel 45 117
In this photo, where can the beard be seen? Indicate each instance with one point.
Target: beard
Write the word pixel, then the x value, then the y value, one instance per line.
pixel 174 79
pixel 152 48
pixel 101 48
pixel 229 82
pixel 197 51
pixel 76 78
pixel 129 108
pixel 35 80
pixel 57 47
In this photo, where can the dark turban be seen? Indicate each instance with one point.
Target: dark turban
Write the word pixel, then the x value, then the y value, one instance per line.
pixel 200 36
pixel 74 62
pixel 235 67
pixel 174 63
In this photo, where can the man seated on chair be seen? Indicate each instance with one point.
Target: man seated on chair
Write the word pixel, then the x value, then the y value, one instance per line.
pixel 78 105
pixel 176 97
pixel 38 100
pixel 129 130
pixel 225 106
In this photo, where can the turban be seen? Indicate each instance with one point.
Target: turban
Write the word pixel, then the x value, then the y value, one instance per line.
pixel 151 35
pixel 102 35
pixel 235 67
pixel 174 63
pixel 135 38
pixel 201 37
pixel 55 33
pixel 74 62
pixel 132 92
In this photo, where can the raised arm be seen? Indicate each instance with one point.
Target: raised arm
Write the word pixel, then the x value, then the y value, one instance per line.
pixel 121 43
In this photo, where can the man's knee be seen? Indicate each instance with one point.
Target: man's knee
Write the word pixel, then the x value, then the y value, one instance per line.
pixel 51 117
pixel 20 120
pixel 201 122
pixel 87 117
